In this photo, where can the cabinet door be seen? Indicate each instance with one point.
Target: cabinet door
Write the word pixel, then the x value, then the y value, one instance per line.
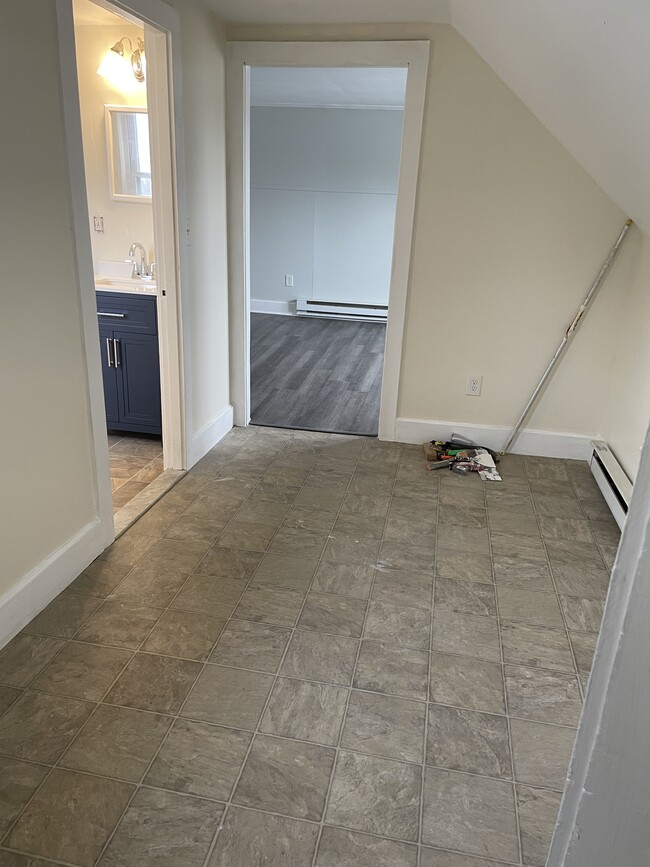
pixel 109 374
pixel 138 380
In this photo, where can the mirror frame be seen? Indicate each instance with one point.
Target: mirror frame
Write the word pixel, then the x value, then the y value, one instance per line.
pixel 108 113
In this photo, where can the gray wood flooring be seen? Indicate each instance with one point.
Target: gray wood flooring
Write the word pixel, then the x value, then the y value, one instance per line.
pixel 316 374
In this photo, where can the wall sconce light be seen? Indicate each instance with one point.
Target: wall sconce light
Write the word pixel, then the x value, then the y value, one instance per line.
pixel 118 67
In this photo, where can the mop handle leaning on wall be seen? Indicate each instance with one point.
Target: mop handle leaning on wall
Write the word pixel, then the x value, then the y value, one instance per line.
pixel 607 264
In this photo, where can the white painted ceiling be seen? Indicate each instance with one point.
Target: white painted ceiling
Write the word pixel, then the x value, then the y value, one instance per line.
pixel 87 13
pixel 343 87
pixel 583 68
pixel 330 11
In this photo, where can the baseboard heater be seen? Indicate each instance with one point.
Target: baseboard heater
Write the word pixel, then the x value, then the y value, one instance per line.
pixel 342 310
pixel 612 480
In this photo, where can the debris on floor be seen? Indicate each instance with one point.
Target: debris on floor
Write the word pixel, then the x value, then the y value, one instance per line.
pixel 462 457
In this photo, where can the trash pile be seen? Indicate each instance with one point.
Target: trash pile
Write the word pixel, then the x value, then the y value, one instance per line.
pixel 462 456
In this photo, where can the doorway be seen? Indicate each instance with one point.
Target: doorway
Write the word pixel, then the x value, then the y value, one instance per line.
pixel 411 59
pixel 119 117
pixel 324 165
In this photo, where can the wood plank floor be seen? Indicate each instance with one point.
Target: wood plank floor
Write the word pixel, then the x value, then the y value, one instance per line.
pixel 316 374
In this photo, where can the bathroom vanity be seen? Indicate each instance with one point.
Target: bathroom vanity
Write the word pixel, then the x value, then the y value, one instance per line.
pixel 128 334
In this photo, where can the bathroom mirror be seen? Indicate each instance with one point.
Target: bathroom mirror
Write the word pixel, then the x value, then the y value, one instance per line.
pixel 129 159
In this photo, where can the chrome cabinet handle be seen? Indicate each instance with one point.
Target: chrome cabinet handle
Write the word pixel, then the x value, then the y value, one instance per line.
pixel 108 351
pixel 116 355
pixel 112 315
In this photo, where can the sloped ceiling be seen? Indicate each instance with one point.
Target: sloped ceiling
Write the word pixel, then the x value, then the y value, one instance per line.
pixel 330 11
pixel 583 68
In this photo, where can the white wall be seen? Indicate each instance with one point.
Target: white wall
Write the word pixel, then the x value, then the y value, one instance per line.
pixel 48 491
pixel 323 190
pixel 509 233
pixel 124 222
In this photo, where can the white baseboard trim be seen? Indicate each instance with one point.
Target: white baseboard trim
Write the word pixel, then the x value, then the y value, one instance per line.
pixel 280 308
pixel 46 580
pixel 209 436
pixel 542 443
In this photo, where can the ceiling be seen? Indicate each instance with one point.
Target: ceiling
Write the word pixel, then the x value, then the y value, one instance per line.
pixel 86 12
pixel 344 87
pixel 330 11
pixel 583 68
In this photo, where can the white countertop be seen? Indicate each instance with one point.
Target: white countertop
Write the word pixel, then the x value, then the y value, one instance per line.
pixel 132 286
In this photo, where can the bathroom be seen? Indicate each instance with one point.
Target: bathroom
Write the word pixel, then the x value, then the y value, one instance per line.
pixel 112 70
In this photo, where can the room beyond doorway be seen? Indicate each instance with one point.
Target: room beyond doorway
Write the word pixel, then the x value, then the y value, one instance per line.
pixel 316 374
pixel 325 148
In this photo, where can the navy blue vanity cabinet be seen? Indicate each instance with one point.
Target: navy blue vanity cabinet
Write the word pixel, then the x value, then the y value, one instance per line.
pixel 128 333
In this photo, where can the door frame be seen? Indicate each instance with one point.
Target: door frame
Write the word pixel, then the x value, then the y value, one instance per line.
pixel 162 30
pixel 241 57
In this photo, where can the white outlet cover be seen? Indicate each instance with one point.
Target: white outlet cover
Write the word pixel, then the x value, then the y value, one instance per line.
pixel 474 383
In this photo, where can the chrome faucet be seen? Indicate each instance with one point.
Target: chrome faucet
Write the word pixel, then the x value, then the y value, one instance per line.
pixel 141 270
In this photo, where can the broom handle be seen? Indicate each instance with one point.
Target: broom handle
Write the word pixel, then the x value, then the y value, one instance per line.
pixel 595 286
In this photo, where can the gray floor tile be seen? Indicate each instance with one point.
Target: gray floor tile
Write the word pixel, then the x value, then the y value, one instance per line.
pixel 346 549
pixel 155 683
pixel 522 572
pixel 403 588
pixel 249 837
pixel 541 753
pixel 392 669
pixel 339 848
pixel 384 725
pixel 469 814
pixel 465 597
pixel 327 658
pixel 286 776
pixel 398 624
pixel 359 526
pixel 117 742
pixel 545 696
pixel 463 682
pixel 536 645
pixel 464 566
pixel 573 529
pixel 186 634
pixel 71 817
pixel 283 570
pixel 538 809
pixel 207 594
pixel 148 586
pixel 228 696
pixel 344 579
pixel 99 579
pixel 582 615
pixel 229 563
pixel 83 671
pixel 191 528
pixel 528 606
pixel 245 536
pixel 306 711
pixel 309 519
pixel 375 795
pixel 164 829
pixel 39 727
pixel 438 858
pixel 272 605
pixel 268 514
pixel 551 506
pixel 63 616
pixel 325 612
pixel 364 504
pixel 466 635
pixel 412 531
pixel 299 542
pixel 8 695
pixel 25 656
pixel 199 759
pixel 506 544
pixel 461 516
pixel 171 555
pixel 18 782
pixel 465 740
pixel 120 624
pixel 403 555
pixel 464 539
pixel 584 646
pixel 251 645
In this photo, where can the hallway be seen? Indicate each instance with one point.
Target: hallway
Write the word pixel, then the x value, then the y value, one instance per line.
pixel 310 652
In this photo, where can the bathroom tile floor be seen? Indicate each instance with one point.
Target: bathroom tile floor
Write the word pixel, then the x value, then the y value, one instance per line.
pixel 135 461
pixel 310 653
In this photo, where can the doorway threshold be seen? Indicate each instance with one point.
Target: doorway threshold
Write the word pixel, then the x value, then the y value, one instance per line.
pixel 145 499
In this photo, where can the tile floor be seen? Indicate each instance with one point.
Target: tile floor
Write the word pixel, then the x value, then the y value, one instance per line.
pixel 310 653
pixel 135 461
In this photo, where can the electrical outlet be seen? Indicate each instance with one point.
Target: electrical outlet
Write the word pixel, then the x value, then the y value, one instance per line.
pixel 288 280
pixel 474 383
pixel 98 224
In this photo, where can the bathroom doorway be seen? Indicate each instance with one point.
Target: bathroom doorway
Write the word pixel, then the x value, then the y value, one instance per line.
pixel 124 116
